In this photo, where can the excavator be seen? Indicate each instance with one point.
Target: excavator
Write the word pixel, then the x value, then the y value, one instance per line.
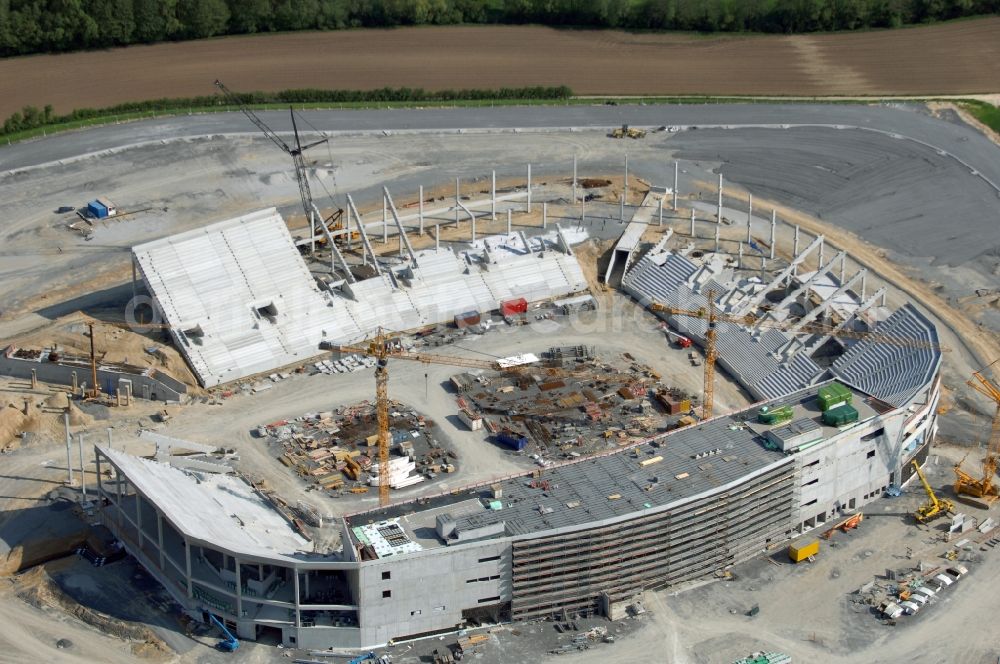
pixel 934 506
pixel 983 488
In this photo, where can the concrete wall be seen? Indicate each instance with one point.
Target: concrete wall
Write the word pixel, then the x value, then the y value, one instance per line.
pixel 160 387
pixel 427 591
pixel 852 469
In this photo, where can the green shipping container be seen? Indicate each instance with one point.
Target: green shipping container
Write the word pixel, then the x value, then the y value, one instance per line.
pixel 840 416
pixel 778 415
pixel 833 395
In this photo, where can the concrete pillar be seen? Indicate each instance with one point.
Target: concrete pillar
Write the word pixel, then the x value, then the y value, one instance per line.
pixel 74 379
pixel 749 218
pixel 675 186
pixel 822 246
pixel 385 220
pixel 545 215
pixel 509 212
pixel 660 220
pixel 298 612
pixel 420 207
pixel 159 523
pixel 528 203
pixel 583 210
pixel 348 224
pixel 718 228
pixel 883 298
pixel 692 222
pixel 83 473
pixel 795 250
pixel 574 178
pixel 458 195
pixel 437 236
pixel 625 192
pixel 187 563
pixel 493 196
pixel 774 224
pixel 312 232
pixel 864 286
pixel 621 212
pixel 843 268
pixel 69 442
pixel 134 290
pixel 110 444
pixel 34 379
pixel 718 218
pixel 239 589
pixel 739 260
pixel 473 229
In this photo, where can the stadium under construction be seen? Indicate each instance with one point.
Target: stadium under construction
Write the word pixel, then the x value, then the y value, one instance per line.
pixel 839 415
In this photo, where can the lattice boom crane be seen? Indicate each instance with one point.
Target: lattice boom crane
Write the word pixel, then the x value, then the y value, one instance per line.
pixel 984 487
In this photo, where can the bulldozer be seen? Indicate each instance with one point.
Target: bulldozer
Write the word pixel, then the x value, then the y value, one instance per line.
pixel 629 132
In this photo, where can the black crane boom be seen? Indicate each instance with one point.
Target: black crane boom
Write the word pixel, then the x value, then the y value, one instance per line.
pixel 301 173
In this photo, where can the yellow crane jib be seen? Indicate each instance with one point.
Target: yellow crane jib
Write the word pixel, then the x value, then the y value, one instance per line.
pixel 983 488
pixel 934 506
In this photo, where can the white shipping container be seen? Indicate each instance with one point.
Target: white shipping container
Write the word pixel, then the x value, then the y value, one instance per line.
pixel 474 422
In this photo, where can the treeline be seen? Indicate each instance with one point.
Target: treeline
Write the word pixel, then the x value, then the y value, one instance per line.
pixel 31 117
pixel 36 26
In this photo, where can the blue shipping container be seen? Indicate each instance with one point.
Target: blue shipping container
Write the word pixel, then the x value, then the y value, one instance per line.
pixel 97 209
pixel 513 440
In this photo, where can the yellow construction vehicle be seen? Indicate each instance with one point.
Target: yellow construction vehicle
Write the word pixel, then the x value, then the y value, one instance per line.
pixel 983 488
pixel 934 506
pixel 629 132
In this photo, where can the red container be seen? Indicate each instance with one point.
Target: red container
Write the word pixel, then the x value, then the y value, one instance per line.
pixel 511 307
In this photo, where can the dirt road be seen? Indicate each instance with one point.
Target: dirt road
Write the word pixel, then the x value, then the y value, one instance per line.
pixel 948 58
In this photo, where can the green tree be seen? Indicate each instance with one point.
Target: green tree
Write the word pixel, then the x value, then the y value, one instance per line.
pixel 295 14
pixel 202 18
pixel 155 20
pixel 247 16
pixel 114 19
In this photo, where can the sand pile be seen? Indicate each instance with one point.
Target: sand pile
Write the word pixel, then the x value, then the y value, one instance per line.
pixel 12 423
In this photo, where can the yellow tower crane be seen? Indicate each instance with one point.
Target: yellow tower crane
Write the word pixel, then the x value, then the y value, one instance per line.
pixel 966 484
pixel 382 347
pixel 714 316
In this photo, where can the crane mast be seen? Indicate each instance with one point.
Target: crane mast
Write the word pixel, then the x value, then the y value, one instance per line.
pixel 381 354
pixel 709 387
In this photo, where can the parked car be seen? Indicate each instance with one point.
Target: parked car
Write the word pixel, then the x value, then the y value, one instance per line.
pixel 925 592
pixel 910 607
pixel 918 598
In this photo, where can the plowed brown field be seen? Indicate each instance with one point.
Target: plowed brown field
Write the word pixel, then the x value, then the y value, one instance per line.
pixel 953 58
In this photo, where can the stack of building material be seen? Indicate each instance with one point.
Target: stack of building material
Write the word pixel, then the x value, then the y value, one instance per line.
pixel 399 473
